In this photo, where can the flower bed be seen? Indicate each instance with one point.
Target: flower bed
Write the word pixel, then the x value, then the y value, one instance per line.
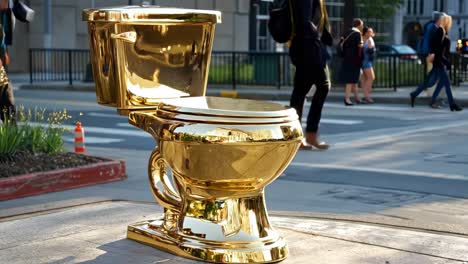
pixel 33 159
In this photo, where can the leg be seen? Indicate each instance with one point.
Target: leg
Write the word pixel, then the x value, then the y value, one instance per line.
pixel 367 83
pixel 448 87
pixel 7 104
pixel 322 84
pixel 356 93
pixel 348 88
pixel 302 84
pixel 364 82
pixel 430 80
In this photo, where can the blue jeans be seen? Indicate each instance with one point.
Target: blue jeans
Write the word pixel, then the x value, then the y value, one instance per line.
pixel 429 81
pixel 444 81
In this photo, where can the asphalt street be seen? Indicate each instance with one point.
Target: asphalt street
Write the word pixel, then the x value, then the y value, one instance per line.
pixel 388 164
pixel 105 128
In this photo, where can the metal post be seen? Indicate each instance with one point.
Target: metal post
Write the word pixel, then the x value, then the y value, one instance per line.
pixel 70 74
pixel 278 81
pixel 30 67
pixel 233 70
pixel 394 74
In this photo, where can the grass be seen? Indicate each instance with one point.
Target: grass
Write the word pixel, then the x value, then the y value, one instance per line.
pixel 27 135
pixel 222 74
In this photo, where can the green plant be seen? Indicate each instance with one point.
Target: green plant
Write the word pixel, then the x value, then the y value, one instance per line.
pixel 10 140
pixel 36 131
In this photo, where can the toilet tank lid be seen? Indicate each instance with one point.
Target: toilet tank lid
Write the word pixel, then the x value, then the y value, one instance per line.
pixel 151 14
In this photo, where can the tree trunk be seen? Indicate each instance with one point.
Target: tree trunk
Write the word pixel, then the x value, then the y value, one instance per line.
pixel 348 16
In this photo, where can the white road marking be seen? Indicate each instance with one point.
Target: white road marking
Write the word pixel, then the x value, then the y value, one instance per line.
pixel 335 122
pixel 340 121
pixel 124 125
pixel 96 140
pixel 106 115
pixel 380 170
pixel 57 102
pixel 397 135
pixel 102 130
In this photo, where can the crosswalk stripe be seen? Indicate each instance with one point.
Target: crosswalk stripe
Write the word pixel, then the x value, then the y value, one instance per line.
pixel 102 130
pixel 124 125
pixel 97 140
pixel 106 115
pixel 334 121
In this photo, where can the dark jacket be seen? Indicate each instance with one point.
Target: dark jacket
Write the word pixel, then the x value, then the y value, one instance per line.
pixel 307 48
pixel 352 48
pixel 440 46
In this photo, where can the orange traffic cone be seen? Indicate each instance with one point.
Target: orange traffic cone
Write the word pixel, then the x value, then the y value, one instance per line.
pixel 79 139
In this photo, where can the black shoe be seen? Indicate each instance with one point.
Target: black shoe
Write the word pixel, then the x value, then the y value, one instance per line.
pixel 455 107
pixel 347 104
pixel 412 98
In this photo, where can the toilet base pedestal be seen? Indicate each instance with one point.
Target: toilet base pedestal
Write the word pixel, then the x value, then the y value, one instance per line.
pixel 154 234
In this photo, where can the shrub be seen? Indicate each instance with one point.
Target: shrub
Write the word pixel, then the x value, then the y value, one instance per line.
pixel 36 132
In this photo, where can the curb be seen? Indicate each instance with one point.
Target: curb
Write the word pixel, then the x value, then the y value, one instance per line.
pixel 261 94
pixel 59 180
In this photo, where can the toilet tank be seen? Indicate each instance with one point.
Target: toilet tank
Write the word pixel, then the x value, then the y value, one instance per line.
pixel 144 54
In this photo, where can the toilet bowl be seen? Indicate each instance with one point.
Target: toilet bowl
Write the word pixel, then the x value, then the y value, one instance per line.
pixel 214 155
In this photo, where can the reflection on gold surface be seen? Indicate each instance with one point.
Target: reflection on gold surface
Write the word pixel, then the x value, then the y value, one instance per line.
pixel 214 156
pixel 138 62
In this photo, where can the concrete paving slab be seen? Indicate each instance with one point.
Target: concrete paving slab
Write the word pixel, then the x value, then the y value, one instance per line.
pixel 96 234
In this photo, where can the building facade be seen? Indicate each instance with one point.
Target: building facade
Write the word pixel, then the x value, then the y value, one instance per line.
pixel 415 13
pixel 58 25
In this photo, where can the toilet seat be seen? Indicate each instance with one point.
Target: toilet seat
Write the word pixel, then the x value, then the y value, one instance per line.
pixel 206 109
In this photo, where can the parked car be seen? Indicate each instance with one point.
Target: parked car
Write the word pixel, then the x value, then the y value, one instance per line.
pixel 404 52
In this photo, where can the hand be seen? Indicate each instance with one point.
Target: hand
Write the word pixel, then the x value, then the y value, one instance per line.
pixel 430 57
pixel 7 59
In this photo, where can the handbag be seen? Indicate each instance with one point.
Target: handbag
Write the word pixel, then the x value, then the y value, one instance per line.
pixel 22 12
pixel 281 22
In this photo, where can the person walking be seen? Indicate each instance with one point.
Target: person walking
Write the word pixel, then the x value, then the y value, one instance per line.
pixel 7 99
pixel 442 63
pixel 427 52
pixel 368 75
pixel 352 61
pixel 308 54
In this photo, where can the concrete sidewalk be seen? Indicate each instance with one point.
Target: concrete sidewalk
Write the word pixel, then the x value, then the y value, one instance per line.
pixel 88 225
pixel 96 233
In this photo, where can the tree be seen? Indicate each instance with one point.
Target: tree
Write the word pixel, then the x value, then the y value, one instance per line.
pixel 372 9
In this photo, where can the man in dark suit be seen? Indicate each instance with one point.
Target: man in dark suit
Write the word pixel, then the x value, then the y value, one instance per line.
pixel 308 54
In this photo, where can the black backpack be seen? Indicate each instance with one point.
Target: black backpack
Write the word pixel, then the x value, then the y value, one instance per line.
pixel 340 46
pixel 281 22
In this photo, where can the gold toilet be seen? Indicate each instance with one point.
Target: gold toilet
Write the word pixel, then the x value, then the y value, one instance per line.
pixel 214 156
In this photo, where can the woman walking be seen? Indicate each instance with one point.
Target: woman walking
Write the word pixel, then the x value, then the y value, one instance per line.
pixel 352 61
pixel 307 54
pixel 368 75
pixel 442 63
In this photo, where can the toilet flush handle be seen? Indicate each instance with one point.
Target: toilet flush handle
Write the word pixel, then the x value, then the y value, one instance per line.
pixel 129 36
pixel 162 190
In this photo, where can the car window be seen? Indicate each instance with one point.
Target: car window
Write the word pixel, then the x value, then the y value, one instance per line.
pixel 383 48
pixel 403 49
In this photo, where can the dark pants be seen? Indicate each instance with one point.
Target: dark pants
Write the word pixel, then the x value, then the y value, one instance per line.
pixel 7 103
pixel 304 78
pixel 444 81
pixel 429 81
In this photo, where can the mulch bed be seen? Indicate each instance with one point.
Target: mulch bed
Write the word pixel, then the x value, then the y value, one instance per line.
pixel 25 162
